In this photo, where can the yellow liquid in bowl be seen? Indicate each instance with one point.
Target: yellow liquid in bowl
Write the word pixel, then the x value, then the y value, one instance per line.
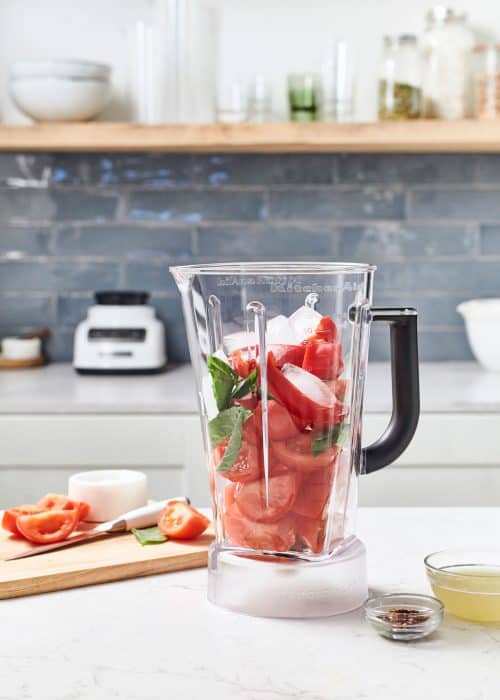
pixel 471 592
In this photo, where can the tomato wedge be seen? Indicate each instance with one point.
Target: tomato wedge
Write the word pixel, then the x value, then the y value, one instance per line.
pixel 323 410
pixel 58 501
pixel 180 521
pixel 281 425
pixel 283 354
pixel 247 466
pixel 271 537
pixel 9 520
pixel 314 493
pixel 325 330
pixel 47 527
pixel 297 454
pixel 251 498
pixel 243 362
pixel 323 359
pixel 311 532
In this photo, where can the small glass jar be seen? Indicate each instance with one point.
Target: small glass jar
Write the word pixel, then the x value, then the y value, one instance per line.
pixel 487 81
pixel 399 87
pixel 304 97
pixel 447 45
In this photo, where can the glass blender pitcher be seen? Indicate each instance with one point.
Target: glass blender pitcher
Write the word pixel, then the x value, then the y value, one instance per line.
pixel 280 352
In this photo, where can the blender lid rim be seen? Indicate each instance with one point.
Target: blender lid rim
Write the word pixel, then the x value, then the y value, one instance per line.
pixel 272 267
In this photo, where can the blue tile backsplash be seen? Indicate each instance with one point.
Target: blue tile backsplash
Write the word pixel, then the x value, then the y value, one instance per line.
pixel 74 223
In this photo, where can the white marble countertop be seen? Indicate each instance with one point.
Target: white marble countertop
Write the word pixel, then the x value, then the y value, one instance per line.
pixel 158 637
pixel 445 387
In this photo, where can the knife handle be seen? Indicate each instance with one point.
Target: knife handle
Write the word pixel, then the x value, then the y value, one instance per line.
pixel 141 517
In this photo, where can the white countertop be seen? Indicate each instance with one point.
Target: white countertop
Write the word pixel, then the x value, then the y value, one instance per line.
pixel 158 637
pixel 445 387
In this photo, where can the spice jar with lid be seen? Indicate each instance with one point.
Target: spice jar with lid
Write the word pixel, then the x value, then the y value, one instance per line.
pixel 446 46
pixel 487 81
pixel 399 86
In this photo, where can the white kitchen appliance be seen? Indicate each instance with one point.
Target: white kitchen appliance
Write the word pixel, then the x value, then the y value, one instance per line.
pixel 121 335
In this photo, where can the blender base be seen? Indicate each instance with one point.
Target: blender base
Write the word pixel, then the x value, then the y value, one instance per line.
pixel 291 588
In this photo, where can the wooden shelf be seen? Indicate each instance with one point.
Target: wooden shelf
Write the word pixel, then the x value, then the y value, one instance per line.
pixel 385 137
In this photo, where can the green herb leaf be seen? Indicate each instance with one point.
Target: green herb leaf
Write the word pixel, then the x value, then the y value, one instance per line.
pixel 223 381
pixel 336 436
pixel 245 386
pixel 224 424
pixel 149 535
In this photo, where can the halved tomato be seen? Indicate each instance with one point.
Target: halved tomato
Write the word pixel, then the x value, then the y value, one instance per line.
pixel 312 532
pixel 271 537
pixel 180 521
pixel 49 526
pixel 314 493
pixel 323 359
pixel 297 453
pixel 9 520
pixel 58 501
pixel 247 466
pixel 251 498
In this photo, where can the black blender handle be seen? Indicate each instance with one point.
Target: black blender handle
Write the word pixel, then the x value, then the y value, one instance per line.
pixel 405 388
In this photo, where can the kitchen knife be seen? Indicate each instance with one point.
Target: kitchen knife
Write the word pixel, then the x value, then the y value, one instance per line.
pixel 140 517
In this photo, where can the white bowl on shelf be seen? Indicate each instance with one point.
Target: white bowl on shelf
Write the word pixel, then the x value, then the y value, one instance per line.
pixel 482 323
pixel 60 90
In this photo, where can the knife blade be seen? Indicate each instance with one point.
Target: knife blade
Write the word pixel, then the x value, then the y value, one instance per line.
pixel 140 517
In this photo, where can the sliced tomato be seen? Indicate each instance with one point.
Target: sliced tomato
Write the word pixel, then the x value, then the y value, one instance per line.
pixel 9 519
pixel 281 424
pixel 311 531
pixel 247 466
pixel 180 521
pixel 304 395
pixel 283 354
pixel 323 359
pixel 251 498
pixel 250 402
pixel 297 454
pixel 326 330
pixel 314 493
pixel 271 537
pixel 243 361
pixel 229 500
pixel 49 526
pixel 58 501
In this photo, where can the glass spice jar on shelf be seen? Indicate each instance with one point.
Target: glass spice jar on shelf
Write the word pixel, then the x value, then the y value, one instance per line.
pixel 399 94
pixel 487 81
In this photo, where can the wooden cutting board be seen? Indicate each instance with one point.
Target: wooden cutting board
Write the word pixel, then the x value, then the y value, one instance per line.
pixel 110 558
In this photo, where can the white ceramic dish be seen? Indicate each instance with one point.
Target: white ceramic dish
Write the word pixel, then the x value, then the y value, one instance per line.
pixel 110 492
pixel 60 90
pixel 21 348
pixel 482 323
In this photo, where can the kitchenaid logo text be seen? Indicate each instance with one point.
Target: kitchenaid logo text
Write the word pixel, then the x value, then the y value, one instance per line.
pixel 285 285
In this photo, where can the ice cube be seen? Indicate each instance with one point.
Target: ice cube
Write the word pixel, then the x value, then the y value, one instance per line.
pixel 304 322
pixel 309 385
pixel 281 332
pixel 238 340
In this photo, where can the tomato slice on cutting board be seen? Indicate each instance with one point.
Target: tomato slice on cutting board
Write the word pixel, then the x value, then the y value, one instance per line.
pixel 9 520
pixel 48 526
pixel 180 521
pixel 251 498
pixel 58 501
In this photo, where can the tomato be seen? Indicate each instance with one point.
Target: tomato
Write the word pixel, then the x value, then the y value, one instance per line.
pixel 49 526
pixel 229 500
pixel 323 359
pixel 247 466
pixel 10 517
pixel 297 454
pixel 294 354
pixel 243 362
pixel 339 387
pixel 325 330
pixel 272 537
pixel 314 493
pixel 312 532
pixel 180 521
pixel 251 498
pixel 250 402
pixel 58 501
pixel 324 411
pixel 252 430
pixel 281 425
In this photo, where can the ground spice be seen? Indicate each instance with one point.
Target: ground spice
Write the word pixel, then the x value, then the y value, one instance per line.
pixel 404 617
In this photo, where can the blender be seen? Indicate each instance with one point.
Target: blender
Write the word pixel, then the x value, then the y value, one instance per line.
pixel 280 354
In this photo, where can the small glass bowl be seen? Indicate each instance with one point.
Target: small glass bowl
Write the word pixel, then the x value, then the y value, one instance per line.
pixel 467 581
pixel 404 616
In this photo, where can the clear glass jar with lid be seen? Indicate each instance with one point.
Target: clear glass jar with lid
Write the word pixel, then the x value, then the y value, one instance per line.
pixel 447 45
pixel 399 94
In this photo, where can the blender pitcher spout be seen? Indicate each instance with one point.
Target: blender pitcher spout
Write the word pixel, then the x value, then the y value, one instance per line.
pixel 279 352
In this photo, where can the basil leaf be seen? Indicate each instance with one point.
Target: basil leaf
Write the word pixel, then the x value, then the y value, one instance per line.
pixel 233 446
pixel 337 436
pixel 224 424
pixel 149 535
pixel 246 386
pixel 223 381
